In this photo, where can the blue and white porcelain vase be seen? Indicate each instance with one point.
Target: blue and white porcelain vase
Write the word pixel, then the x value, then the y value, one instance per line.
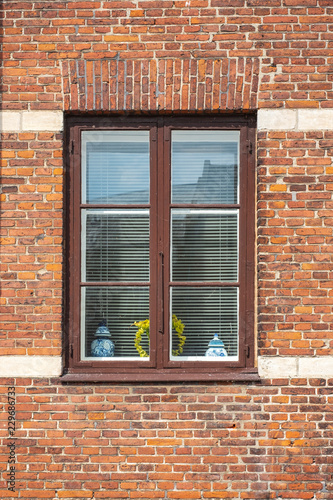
pixel 216 348
pixel 102 346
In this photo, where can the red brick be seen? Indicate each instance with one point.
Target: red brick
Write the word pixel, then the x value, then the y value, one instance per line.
pixel 196 56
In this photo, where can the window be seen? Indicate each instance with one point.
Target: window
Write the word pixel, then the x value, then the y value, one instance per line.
pixel 160 252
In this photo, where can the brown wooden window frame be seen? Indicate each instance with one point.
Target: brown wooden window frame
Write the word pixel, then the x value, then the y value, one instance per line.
pixel 159 367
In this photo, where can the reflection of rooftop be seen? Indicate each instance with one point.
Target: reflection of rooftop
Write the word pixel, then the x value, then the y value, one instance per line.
pixel 131 197
pixel 142 197
pixel 218 184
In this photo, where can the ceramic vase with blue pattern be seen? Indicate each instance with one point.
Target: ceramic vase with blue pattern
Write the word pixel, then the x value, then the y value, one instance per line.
pixel 216 348
pixel 102 346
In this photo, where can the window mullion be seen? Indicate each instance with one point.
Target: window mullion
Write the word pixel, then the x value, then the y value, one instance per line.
pixel 164 178
pixel 154 248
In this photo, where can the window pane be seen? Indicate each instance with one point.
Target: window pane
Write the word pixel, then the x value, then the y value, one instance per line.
pixel 204 245
pixel 116 245
pixel 120 307
pixel 115 167
pixel 204 166
pixel 205 311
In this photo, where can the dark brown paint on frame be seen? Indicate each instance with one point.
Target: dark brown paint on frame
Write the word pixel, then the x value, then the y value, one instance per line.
pixel 159 367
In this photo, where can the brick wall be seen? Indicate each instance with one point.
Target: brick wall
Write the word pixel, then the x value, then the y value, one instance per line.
pixel 295 242
pixel 119 55
pixel 32 249
pixel 271 439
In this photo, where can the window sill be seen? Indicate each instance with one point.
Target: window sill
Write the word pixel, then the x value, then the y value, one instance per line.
pixel 240 375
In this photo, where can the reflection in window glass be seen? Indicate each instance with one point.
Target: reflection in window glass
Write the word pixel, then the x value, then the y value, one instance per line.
pixel 205 166
pixel 115 167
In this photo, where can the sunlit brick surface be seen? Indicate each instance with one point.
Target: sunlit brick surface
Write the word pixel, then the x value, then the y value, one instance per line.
pixel 267 440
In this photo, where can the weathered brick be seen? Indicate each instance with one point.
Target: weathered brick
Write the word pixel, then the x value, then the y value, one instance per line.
pixel 172 440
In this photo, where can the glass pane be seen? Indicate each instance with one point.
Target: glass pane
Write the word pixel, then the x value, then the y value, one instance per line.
pixel 206 311
pixel 204 245
pixel 117 245
pixel 119 307
pixel 204 166
pixel 115 167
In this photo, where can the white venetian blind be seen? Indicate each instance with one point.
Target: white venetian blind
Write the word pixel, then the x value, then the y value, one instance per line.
pixel 204 245
pixel 116 167
pixel 204 166
pixel 117 245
